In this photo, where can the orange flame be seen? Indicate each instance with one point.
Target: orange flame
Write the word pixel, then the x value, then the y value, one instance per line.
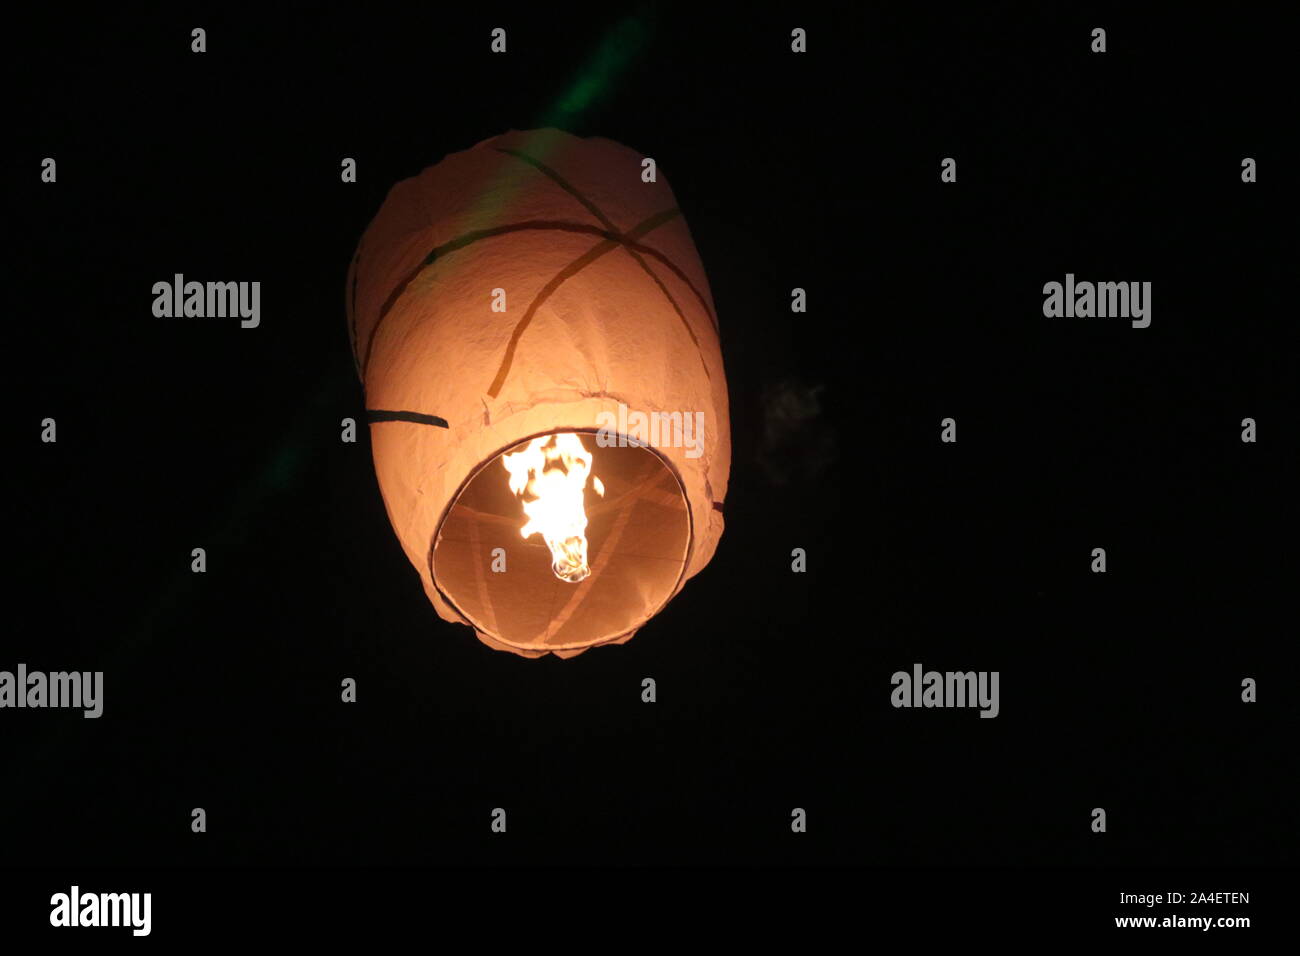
pixel 550 475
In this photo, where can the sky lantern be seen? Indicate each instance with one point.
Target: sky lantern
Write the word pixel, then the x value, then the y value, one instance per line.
pixel 544 387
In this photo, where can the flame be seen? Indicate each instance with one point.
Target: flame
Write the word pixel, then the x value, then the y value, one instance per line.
pixel 550 475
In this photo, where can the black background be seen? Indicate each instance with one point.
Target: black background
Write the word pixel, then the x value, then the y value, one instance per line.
pixel 924 301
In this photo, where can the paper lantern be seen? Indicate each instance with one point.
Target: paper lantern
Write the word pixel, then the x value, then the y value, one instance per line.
pixel 537 302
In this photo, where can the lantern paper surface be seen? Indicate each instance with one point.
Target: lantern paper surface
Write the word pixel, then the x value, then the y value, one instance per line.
pixel 535 285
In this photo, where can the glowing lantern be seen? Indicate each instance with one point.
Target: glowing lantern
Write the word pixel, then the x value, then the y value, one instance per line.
pixel 545 389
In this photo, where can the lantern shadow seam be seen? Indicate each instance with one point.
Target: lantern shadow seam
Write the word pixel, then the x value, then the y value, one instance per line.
pixel 563 183
pixel 628 240
pixel 568 272
pixel 374 415
pixel 585 260
pixel 592 208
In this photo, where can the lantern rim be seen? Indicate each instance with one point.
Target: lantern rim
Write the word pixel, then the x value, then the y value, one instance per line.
pixel 666 462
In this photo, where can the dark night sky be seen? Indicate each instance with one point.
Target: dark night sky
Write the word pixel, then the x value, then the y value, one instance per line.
pixel 818 171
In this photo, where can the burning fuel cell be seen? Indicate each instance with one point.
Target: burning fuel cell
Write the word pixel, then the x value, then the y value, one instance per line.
pixel 552 471
pixel 504 307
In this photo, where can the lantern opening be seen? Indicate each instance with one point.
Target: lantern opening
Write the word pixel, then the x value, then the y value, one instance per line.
pixel 639 540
